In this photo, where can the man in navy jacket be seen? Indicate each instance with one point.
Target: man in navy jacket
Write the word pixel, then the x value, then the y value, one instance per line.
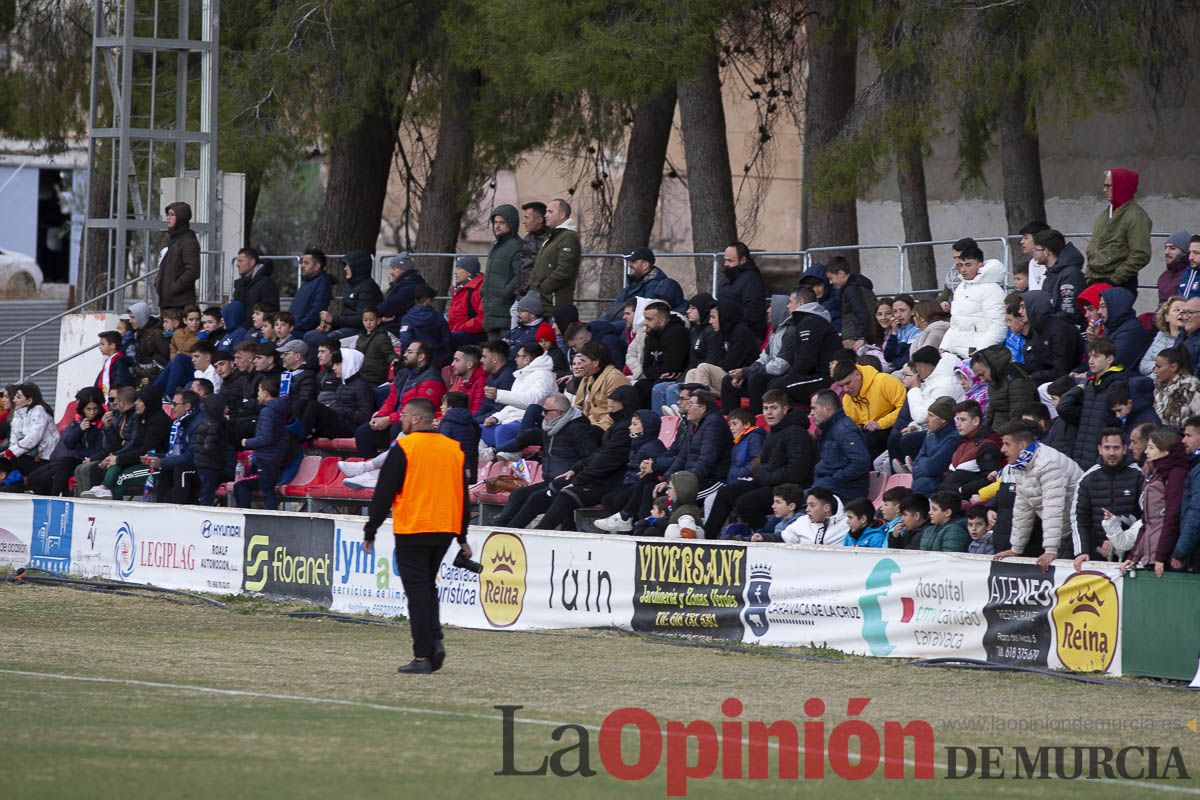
pixel 845 462
pixel 313 294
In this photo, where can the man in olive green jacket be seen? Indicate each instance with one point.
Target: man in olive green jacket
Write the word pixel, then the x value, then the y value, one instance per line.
pixel 1120 243
pixel 503 271
pixel 557 263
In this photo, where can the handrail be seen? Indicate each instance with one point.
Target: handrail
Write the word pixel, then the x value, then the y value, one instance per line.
pixel 60 362
pixel 73 309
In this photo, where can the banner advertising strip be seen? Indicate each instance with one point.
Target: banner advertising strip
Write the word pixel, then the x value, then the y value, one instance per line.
pixel 866 601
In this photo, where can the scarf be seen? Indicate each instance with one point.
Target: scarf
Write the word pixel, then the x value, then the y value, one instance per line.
pixel 1025 457
pixel 105 377
pixel 285 383
pixel 744 433
pixel 557 425
pixel 176 429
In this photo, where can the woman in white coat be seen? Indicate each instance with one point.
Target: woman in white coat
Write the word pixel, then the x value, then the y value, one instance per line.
pixel 533 382
pixel 977 310
pixel 33 435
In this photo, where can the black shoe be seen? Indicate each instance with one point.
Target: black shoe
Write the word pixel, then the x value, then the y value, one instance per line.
pixel 416 667
pixel 439 655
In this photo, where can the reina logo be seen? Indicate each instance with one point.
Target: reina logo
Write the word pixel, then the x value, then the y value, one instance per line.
pixel 758 599
pixel 505 567
pixel 878 610
pixel 1086 621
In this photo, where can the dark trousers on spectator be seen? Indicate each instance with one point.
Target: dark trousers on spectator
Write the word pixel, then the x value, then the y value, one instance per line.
pixel 800 388
pixel 369 442
pixel 561 514
pixel 176 485
pixel 877 441
pixel 418 559
pixel 319 419
pixel 265 479
pixel 210 480
pixel 751 502
pixel 753 387
pixel 525 504
pixel 907 445
pixel 52 477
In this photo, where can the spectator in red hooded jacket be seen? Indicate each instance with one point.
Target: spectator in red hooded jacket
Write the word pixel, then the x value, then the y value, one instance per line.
pixel 465 314
pixel 1120 243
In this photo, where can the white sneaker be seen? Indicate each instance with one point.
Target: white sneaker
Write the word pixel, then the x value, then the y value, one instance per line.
pixel 352 468
pixel 486 454
pixel 670 411
pixel 508 456
pixel 614 524
pixel 100 492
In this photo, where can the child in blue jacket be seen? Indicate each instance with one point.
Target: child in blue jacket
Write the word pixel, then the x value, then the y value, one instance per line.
pixel 747 444
pixel 458 424
pixel 863 530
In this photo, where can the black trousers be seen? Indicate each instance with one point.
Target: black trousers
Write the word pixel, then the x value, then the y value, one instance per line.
pixel 418 557
pixel 321 420
pixel 523 505
pixel 752 503
pixel 561 514
pixel 753 387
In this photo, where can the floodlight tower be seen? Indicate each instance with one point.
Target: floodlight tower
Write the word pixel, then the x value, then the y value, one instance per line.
pixel 152 121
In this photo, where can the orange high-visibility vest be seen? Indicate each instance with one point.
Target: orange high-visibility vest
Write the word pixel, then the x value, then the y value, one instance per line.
pixel 431 500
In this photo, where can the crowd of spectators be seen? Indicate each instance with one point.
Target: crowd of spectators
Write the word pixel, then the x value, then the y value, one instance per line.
pixel 1034 414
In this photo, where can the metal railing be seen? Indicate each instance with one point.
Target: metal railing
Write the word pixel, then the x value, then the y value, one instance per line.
pixel 379 259
pixel 25 333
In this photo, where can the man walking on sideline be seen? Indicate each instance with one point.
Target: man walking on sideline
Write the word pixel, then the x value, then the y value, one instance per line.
pixel 428 505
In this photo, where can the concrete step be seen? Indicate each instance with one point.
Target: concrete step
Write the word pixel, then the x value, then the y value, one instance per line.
pixel 41 345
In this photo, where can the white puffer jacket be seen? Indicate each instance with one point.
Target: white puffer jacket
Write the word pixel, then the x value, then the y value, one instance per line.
pixel 977 312
pixel 942 382
pixel 531 385
pixel 830 532
pixel 33 433
pixel 1045 489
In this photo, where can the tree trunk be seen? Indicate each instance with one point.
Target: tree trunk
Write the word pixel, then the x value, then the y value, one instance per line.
pixel 709 181
pixel 637 202
pixel 360 162
pixel 914 212
pixel 448 189
pixel 829 94
pixel 93 277
pixel 254 186
pixel 1021 163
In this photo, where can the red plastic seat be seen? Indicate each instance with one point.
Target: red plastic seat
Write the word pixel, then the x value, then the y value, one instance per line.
pixel 903 479
pixel 877 483
pixel 761 421
pixel 499 498
pixel 68 417
pixel 334 444
pixel 327 471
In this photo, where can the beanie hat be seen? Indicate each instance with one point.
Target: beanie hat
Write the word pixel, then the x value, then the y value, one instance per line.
pixel 942 407
pixel 468 263
pixel 1180 239
pixel 531 303
pixel 545 332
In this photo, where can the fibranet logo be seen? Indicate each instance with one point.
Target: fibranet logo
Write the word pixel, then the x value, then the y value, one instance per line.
pixel 503 581
pixel 1086 620
pixel 264 563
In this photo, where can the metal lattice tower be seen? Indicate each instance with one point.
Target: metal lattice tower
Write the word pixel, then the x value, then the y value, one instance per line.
pixel 152 115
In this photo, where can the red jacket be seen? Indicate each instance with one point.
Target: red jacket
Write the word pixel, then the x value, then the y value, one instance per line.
pixel 472 387
pixel 466 307
pixel 406 386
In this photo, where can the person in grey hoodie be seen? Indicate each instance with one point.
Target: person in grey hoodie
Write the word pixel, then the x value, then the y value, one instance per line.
pixel 814 341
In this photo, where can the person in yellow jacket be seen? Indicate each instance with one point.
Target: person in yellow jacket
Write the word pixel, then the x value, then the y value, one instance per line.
pixel 871 399
pixel 422 485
